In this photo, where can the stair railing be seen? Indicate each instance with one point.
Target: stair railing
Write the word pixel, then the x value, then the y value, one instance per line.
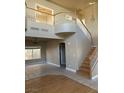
pixel 54 15
pixel 94 65
pixel 36 10
pixel 91 39
pixel 94 62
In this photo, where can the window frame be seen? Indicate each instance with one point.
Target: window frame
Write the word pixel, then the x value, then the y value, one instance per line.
pixel 34 47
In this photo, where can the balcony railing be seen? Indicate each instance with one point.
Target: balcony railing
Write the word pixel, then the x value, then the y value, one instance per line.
pixel 57 19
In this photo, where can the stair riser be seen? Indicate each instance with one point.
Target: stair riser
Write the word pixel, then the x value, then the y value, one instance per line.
pixel 85 68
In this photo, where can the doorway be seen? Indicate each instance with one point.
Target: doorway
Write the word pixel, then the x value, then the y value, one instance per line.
pixel 62 55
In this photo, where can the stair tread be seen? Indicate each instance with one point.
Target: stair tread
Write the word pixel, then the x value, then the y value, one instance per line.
pixel 85 68
pixel 87 62
pixel 84 74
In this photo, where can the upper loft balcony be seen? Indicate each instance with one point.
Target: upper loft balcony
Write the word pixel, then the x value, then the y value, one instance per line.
pixel 39 22
pixel 40 30
pixel 67 27
pixel 43 22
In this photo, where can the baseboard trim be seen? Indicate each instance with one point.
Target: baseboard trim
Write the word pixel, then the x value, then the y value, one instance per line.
pixel 95 77
pixel 53 64
pixel 69 69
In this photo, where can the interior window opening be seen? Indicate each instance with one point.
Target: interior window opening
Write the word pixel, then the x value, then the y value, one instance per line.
pixel 32 53
pixel 45 16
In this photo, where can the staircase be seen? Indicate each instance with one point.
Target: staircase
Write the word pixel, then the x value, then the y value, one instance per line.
pixel 86 67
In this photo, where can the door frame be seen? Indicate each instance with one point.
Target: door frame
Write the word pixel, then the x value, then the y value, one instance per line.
pixel 60 54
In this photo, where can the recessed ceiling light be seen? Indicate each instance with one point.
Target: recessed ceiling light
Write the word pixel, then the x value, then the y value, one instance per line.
pixel 92 3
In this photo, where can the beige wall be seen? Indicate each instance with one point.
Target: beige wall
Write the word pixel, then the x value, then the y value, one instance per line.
pixel 92 24
pixel 77 47
pixel 34 71
pixel 52 51
pixel 44 30
pixel 83 46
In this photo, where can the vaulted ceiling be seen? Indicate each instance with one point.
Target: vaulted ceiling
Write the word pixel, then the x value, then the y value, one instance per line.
pixel 73 4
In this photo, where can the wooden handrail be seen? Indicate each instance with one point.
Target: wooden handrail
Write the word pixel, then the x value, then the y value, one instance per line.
pixel 61 13
pixel 37 10
pixel 43 11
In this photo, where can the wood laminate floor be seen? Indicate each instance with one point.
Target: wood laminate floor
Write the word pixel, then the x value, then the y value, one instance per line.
pixel 55 84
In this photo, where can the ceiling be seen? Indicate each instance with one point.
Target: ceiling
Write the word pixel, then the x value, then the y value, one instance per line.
pixel 73 4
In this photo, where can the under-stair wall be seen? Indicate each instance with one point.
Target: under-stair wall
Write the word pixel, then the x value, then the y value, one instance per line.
pixel 77 47
pixel 83 46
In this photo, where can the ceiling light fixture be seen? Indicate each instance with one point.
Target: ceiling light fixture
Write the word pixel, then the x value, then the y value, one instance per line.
pixel 92 3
